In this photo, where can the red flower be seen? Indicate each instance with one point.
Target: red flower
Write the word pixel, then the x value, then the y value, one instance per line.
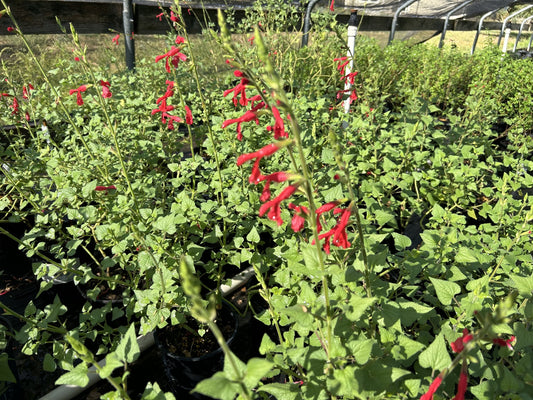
pixel 338 232
pixel 78 92
pixel 10 29
pixel 102 188
pixel 322 209
pixel 15 106
pixel 331 6
pixel 115 39
pixel 159 16
pixel 463 383
pixel 76 59
pixel 502 342
pixel 297 222
pixel 343 62
pixel 188 116
pixel 273 206
pixel 26 91
pixel 240 89
pixel 180 40
pixel 246 117
pixel 106 93
pixel 266 151
pixel 458 345
pixel 275 177
pixel 350 78
pixel 432 389
pixel 173 56
pixel 174 17
pixel 279 126
pixel 255 176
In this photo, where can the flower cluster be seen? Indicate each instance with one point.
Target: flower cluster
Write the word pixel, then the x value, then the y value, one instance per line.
pixel 347 78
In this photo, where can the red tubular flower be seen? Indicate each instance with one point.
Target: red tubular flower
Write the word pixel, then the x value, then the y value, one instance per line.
pixel 26 91
pixel 174 17
pixel 458 345
pixel 338 232
pixel 279 126
pixel 322 209
pixel 246 117
pixel 507 343
pixel 273 206
pixel 188 116
pixel 10 29
pixel 432 389
pixel 169 93
pixel 102 188
pixel 15 106
pixel 343 62
pixel 173 56
pixel 331 6
pixel 266 151
pixel 78 92
pixel 463 383
pixel 275 177
pixel 298 222
pixel 180 40
pixel 240 89
pixel 350 78
pixel 106 93
pixel 160 16
pixel 115 39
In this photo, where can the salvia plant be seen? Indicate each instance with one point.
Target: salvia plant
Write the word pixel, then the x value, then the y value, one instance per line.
pixel 382 199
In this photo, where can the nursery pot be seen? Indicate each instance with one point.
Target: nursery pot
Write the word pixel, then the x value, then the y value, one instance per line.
pixel 184 372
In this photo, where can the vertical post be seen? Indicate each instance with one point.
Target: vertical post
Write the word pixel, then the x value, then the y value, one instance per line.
pixel 506 40
pixel 508 18
pixel 352 33
pixel 127 18
pixel 447 20
pixel 479 29
pixel 307 22
pixel 395 18
pixel 520 32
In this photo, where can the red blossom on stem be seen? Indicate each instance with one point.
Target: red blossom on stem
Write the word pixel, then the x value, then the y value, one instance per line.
pixel 338 232
pixel 115 39
pixel 432 389
pixel 332 6
pixel 323 209
pixel 188 116
pixel 298 221
pixel 463 383
pixel 180 40
pixel 78 92
pixel 106 93
pixel 174 56
pixel 174 17
pixel 246 117
pixel 458 345
pixel 160 16
pixel 10 29
pixel 279 126
pixel 275 177
pixel 102 188
pixel 505 343
pixel 343 62
pixel 239 90
pixel 26 91
pixel 273 206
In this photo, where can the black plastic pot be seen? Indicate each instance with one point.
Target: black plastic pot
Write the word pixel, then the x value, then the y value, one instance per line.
pixel 184 373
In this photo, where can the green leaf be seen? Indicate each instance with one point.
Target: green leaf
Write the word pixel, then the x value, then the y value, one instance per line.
pixel 166 224
pixel 77 377
pixel 5 372
pixel 384 217
pixel 128 348
pixel 253 236
pixel 436 355
pixel 111 363
pixel 256 368
pixel 401 242
pixel 466 255
pixel 524 284
pixel 281 391
pixel 49 364
pixel 445 290
pixel 154 392
pixel 218 387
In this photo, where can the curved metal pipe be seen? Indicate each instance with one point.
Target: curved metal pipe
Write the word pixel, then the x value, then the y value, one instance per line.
pixel 395 19
pixel 447 20
pixel 307 21
pixel 508 18
pixel 520 32
pixel 480 25
pixel 127 19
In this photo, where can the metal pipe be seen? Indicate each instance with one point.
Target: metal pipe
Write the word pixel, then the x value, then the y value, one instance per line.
pixel 447 20
pixel 508 18
pixel 395 19
pixel 307 21
pixel 529 44
pixel 479 28
pixel 352 33
pixel 520 32
pixel 127 19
